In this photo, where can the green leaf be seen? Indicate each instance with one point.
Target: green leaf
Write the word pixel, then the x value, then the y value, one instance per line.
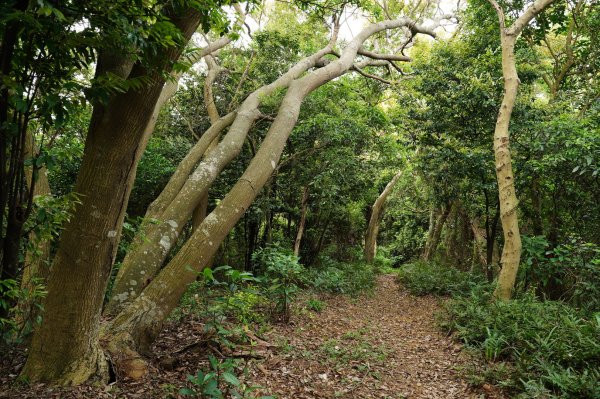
pixel 231 379
pixel 186 392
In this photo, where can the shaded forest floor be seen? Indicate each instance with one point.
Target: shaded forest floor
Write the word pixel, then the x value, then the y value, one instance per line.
pixel 380 345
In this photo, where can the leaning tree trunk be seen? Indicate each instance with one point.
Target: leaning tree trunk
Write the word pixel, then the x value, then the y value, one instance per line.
pixel 185 190
pixel 376 212
pixel 65 349
pixel 136 326
pixel 511 253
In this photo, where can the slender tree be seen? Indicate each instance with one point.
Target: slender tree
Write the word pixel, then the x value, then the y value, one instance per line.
pixel 511 253
pixel 376 213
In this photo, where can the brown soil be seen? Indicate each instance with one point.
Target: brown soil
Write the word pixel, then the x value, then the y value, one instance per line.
pixel 384 345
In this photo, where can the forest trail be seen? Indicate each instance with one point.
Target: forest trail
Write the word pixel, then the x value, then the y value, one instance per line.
pixel 384 345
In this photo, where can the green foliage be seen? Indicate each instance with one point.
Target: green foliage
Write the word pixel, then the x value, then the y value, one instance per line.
pixel 554 349
pixel 570 271
pixel 282 275
pixel 422 278
pixel 49 215
pixel 26 298
pixel 340 277
pixel 158 163
pixel 219 382
pixel 315 305
pixel 221 297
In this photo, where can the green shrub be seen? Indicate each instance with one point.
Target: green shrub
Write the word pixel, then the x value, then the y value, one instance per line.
pixel 219 296
pixel 342 278
pixel 570 271
pixel 219 382
pixel 24 304
pixel 422 278
pixel 554 349
pixel 282 273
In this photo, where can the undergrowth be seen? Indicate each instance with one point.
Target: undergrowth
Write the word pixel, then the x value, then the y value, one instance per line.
pixel 554 350
pixel 341 278
pixel 532 347
pixel 422 278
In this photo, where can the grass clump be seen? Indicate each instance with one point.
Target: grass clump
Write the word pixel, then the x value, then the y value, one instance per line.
pixel 553 349
pixel 422 278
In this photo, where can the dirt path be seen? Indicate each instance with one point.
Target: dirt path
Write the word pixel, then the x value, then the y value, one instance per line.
pixel 381 346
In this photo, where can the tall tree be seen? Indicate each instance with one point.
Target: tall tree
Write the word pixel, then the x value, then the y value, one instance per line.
pixel 511 252
pixel 65 348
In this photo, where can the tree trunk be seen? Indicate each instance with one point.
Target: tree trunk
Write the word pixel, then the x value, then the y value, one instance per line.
pixel 376 212
pixel 36 266
pixel 511 253
pixel 65 349
pixel 433 240
pixel 213 114
pixel 136 326
pixel 176 203
pixel 479 235
pixel 302 222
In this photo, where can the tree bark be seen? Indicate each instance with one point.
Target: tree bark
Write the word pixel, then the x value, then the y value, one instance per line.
pixel 374 220
pixel 65 349
pixel 479 235
pixel 433 239
pixel 511 252
pixel 303 207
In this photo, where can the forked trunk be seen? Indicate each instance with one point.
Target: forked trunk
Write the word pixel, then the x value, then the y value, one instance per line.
pixel 136 326
pixel 176 203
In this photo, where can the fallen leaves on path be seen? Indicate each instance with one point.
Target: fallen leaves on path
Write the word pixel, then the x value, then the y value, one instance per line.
pixel 384 345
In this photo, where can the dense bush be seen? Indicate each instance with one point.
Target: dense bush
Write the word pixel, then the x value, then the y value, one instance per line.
pixel 340 277
pixel 422 278
pixel 554 351
pixel 570 271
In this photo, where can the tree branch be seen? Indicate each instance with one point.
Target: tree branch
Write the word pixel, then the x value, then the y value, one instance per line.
pixel 531 12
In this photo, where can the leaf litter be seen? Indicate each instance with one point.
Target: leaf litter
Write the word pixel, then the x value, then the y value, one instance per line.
pixel 381 345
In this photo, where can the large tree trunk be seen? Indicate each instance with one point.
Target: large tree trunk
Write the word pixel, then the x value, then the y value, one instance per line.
pixel 303 207
pixel 136 326
pixel 65 349
pixel 376 212
pixel 511 253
